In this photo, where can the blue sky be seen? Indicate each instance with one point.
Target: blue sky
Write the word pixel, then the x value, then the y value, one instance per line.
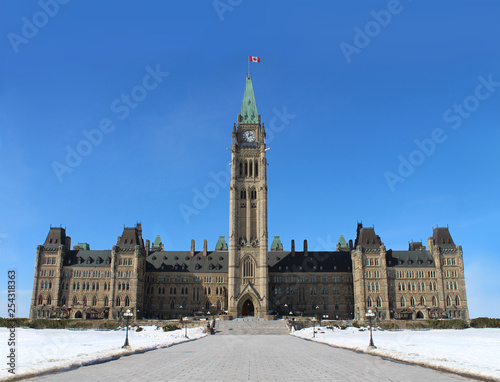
pixel 347 93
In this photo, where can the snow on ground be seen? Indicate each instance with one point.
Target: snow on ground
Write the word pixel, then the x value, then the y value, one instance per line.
pixel 469 351
pixel 41 350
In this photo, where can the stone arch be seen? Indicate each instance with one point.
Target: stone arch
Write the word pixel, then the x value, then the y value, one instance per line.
pixel 248 297
pixel 420 314
pixel 78 314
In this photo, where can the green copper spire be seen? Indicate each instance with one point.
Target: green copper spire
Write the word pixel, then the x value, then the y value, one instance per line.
pixel 248 114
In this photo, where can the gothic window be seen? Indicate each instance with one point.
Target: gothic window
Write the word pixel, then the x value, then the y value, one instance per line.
pixel 75 300
pixel 172 306
pixel 379 302
pixel 325 305
pixel 40 300
pixel 448 301
pixel 403 302
pixel 243 194
pixel 85 301
pixel 434 301
pixel 127 301
pixel 49 300
pixel 118 302
pixel 336 305
pixel 94 301
pixel 106 301
pixel 422 300
pixel 163 290
pixel 241 169
pixel 369 302
pixel 412 301
pixel 256 168
pixel 457 301
pixel 248 269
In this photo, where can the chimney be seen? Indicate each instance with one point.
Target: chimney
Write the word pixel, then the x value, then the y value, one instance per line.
pixel 293 247
pixel 351 246
pixel 205 247
pixel 305 247
pixel 147 247
pixel 192 247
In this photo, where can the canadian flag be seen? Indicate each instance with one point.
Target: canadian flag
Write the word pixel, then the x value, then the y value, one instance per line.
pixel 254 59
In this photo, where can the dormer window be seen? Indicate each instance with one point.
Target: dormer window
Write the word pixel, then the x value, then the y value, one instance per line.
pixel 125 242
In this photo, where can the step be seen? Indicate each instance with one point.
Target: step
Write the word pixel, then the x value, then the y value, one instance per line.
pixel 251 326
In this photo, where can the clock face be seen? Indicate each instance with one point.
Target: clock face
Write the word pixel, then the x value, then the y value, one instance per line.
pixel 249 136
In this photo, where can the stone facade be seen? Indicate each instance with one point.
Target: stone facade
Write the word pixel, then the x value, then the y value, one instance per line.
pixel 244 277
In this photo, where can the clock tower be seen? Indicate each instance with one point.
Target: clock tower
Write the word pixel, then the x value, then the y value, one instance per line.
pixel 248 273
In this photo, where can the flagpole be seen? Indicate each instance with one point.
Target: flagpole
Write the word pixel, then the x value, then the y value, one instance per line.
pixel 248 74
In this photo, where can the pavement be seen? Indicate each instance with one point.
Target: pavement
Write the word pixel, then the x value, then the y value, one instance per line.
pixel 251 358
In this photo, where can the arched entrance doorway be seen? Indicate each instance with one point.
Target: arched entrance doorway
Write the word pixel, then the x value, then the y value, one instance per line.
pixel 78 314
pixel 420 314
pixel 247 309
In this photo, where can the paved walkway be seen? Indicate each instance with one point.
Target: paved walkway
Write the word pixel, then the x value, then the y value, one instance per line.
pixel 251 358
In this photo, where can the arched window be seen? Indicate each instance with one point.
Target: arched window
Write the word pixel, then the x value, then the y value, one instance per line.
pixel 377 287
pixel 403 302
pixel 127 301
pixel 40 300
pixel 106 301
pixel 434 301
pixel 75 300
pixel 248 269
pixel 118 301
pixel 94 301
pixel 379 302
pixel 172 305
pixel 369 302
pixel 422 300
pixel 85 301
pixel 412 301
pixel 423 287
pixel 369 287
pixel 457 301
pixel 399 286
pixel 448 301
pixel 163 290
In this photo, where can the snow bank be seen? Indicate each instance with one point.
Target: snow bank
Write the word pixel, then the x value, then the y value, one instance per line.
pixel 42 350
pixel 474 352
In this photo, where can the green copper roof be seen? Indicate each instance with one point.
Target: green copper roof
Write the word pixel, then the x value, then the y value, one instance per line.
pixel 221 244
pixel 342 242
pixel 276 244
pixel 157 241
pixel 84 246
pixel 248 114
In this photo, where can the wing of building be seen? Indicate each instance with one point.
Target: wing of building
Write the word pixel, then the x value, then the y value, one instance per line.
pixel 246 277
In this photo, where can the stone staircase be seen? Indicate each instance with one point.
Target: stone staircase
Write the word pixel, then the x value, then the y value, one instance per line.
pixel 251 326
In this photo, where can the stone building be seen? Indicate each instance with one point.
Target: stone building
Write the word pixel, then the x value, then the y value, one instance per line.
pixel 246 277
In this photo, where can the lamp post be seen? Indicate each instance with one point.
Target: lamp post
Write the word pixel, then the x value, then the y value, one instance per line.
pixel 127 316
pixel 314 321
pixel 370 315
